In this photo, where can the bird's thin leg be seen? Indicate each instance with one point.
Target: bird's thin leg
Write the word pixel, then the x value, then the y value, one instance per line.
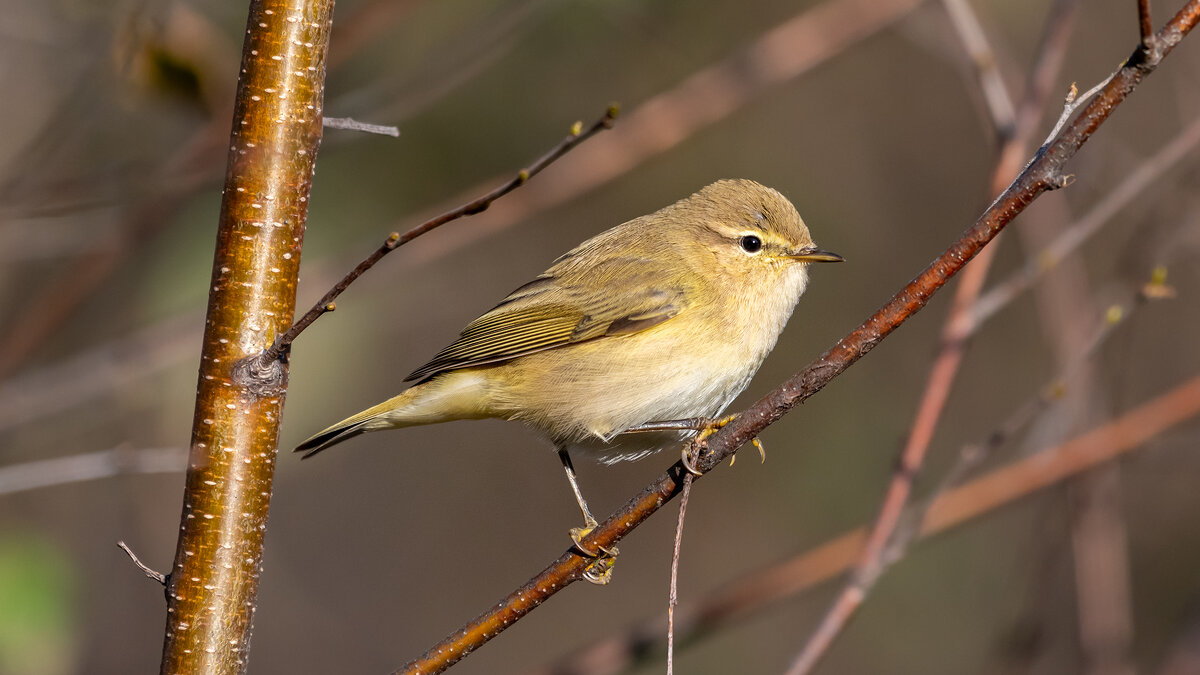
pixel 600 571
pixel 588 519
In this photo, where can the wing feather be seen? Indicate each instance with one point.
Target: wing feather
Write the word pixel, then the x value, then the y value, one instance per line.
pixel 556 310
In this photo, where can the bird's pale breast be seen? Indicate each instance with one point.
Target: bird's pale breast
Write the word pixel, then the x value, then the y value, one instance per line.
pixel 584 395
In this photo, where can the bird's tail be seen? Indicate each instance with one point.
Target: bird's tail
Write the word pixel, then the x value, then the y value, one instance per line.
pixel 371 419
pixel 453 396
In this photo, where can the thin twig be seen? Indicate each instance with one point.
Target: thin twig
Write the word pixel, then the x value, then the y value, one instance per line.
pixel 150 573
pixel 1047 64
pixel 673 598
pixel 1145 23
pixel 1072 102
pixel 1003 486
pixel 352 124
pixel 576 136
pixel 1042 174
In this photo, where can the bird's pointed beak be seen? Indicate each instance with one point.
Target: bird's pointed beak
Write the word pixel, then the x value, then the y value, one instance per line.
pixel 814 254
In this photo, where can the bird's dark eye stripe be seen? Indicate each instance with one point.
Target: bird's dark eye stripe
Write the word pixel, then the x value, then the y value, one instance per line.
pixel 751 244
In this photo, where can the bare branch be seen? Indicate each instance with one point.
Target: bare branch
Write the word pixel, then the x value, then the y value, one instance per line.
pixel 1145 23
pixel 1071 103
pixel 352 124
pixel 480 204
pixel 150 573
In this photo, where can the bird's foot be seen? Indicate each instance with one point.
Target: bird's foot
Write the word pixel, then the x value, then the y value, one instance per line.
pixel 599 572
pixel 713 426
pixel 708 428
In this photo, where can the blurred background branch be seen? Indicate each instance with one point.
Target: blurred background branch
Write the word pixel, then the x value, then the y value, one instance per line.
pixel 89 466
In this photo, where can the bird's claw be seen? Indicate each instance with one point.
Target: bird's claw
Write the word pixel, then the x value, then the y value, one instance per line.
pixel 762 451
pixel 709 429
pixel 685 458
pixel 599 572
pixel 577 536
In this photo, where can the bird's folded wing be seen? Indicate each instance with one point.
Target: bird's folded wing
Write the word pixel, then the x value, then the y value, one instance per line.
pixel 619 297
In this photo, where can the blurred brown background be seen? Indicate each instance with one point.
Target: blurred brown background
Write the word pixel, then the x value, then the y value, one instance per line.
pixel 117 116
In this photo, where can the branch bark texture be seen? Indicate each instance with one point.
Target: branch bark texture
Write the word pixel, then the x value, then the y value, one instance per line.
pixel 1044 172
pixel 213 582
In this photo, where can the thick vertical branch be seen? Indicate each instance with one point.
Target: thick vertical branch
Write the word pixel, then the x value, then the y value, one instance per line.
pixel 276 133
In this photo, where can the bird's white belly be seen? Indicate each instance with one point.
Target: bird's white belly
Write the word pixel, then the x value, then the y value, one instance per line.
pixel 665 379
pixel 690 395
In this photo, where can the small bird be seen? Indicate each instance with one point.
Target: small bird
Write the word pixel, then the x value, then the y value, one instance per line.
pixel 663 318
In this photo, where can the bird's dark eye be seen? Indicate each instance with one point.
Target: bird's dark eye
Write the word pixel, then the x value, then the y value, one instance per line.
pixel 751 244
